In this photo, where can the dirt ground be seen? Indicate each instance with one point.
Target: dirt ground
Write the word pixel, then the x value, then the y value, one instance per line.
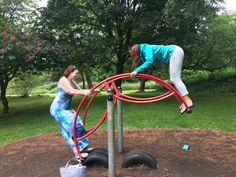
pixel 211 154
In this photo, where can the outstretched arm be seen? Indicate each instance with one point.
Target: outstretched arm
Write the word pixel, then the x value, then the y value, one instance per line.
pixel 145 66
pixel 65 85
pixel 141 68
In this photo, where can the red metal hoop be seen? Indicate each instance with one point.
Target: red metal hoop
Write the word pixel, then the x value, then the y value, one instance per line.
pixel 110 82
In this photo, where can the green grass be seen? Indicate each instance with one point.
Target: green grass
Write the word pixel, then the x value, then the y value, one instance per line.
pixel 30 116
pixel 27 117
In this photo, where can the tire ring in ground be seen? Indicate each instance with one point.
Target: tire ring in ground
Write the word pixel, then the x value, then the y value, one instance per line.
pixel 96 159
pixel 100 150
pixel 135 151
pixel 137 157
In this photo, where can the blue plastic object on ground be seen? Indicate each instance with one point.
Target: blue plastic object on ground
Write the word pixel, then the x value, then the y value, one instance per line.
pixel 185 147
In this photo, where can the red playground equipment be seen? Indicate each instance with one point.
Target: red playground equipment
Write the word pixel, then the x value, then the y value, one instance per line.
pixel 109 84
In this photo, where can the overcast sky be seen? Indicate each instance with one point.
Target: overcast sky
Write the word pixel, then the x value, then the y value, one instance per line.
pixel 42 3
pixel 230 4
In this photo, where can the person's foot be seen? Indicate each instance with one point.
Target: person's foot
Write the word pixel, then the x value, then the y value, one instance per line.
pixel 88 150
pixel 183 108
pixel 83 155
pixel 189 105
pixel 188 100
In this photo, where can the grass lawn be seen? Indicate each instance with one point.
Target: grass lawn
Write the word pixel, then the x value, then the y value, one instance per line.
pixel 29 117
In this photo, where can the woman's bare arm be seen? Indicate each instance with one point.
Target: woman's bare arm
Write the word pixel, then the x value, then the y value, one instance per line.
pixel 65 85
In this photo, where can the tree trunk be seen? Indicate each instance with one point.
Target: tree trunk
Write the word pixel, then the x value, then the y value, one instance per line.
pixel 4 98
pixel 142 82
pixel 82 75
pixel 89 81
pixel 119 70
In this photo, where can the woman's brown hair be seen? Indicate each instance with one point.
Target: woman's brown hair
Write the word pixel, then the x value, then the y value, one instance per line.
pixel 69 69
pixel 134 53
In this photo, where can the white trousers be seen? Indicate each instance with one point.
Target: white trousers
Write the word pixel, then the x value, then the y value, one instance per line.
pixel 175 67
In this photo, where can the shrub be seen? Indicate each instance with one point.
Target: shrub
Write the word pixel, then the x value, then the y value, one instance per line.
pixel 25 83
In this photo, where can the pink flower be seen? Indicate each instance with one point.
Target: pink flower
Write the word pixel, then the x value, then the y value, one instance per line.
pixel 30 58
pixel 12 38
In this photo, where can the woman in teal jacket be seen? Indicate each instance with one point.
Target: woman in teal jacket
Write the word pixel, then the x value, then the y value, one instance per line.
pixel 145 55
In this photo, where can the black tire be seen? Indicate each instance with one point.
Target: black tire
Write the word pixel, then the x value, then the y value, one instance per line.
pixel 138 151
pixel 100 150
pixel 137 157
pixel 96 159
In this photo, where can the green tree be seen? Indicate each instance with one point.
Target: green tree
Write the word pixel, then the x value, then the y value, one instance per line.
pixel 62 22
pixel 216 48
pixel 123 22
pixel 24 84
pixel 20 52
pixel 114 25
pixel 20 49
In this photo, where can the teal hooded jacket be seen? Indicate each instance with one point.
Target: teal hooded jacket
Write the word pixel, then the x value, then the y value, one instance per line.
pixel 153 55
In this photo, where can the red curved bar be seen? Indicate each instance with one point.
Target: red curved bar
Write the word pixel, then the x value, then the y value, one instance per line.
pixel 118 95
pixel 145 101
pixel 88 105
pixel 93 129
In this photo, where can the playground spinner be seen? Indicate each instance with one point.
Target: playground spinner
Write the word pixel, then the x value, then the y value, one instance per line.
pixel 109 84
